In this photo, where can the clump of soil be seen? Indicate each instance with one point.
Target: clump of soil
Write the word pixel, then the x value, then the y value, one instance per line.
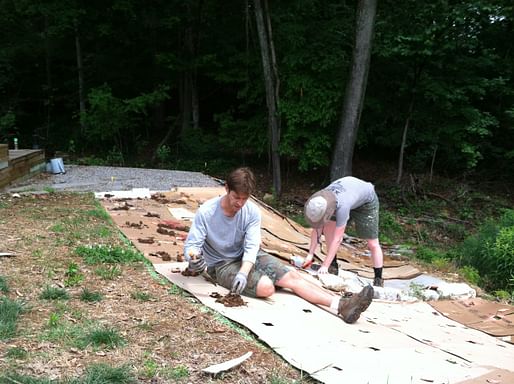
pixel 229 300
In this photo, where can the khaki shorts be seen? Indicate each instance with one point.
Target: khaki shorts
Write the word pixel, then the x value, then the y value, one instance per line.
pixel 365 219
pixel 265 265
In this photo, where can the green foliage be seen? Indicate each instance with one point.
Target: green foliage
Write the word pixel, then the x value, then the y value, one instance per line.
pixel 10 311
pixel 10 378
pixel 17 353
pixel 7 123
pixel 178 372
pixel 106 374
pixel 470 274
pixel 108 273
pixel 389 228
pixel 429 254
pixel 4 286
pixel 54 293
pixel 73 275
pixel 107 254
pixel 100 337
pixel 141 296
pixel 90 296
pixel 491 252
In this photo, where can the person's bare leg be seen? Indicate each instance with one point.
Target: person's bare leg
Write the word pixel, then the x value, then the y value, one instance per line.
pixel 377 256
pixel 306 289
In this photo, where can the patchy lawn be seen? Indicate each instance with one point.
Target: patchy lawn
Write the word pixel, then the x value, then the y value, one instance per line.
pixel 76 316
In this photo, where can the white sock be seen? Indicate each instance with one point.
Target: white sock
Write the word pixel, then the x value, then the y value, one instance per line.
pixel 335 303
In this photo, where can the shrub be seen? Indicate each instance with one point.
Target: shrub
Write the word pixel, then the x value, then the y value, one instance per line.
pixel 491 252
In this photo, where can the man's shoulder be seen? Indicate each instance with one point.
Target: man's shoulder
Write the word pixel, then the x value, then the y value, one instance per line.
pixel 252 207
pixel 209 206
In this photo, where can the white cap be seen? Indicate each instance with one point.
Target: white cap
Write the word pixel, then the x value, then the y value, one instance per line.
pixel 316 208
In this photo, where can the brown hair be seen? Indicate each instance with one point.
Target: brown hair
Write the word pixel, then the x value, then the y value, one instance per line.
pixel 241 180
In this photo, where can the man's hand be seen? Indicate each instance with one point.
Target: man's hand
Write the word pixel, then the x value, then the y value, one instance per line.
pixel 239 283
pixel 308 261
pixel 322 270
pixel 196 263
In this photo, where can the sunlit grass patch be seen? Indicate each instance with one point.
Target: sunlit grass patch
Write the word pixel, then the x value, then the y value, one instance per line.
pixel 98 254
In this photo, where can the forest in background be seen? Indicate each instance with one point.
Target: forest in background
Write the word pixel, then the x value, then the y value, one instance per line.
pixel 180 83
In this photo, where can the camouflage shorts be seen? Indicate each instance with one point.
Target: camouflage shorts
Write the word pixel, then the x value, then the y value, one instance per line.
pixel 265 265
pixel 366 219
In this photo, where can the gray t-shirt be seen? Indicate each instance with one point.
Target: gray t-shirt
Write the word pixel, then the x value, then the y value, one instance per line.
pixel 351 193
pixel 220 238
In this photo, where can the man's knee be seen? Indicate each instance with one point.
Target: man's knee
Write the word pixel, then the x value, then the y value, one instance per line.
pixel 265 287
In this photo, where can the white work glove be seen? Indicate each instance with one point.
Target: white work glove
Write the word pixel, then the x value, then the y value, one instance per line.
pixel 322 270
pixel 196 262
pixel 239 283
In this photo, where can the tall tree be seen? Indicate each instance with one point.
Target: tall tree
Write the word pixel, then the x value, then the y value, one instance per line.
pixel 355 90
pixel 271 83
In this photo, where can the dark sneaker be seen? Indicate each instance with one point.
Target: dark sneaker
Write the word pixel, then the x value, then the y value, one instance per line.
pixel 351 307
pixel 378 282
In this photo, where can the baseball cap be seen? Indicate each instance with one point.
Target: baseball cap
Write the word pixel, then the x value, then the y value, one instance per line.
pixel 319 208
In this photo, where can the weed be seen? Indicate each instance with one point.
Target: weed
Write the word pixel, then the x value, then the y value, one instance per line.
pixel 90 296
pixel 97 254
pixel 141 296
pixel 54 320
pixel 54 293
pixel 58 228
pixel 49 190
pixel 99 213
pixel 10 310
pixel 15 378
pixel 4 287
pixel 150 368
pixel 102 231
pixel 108 338
pixel 176 373
pixel 108 273
pixel 73 275
pixel 470 274
pixel 416 290
pixel 176 290
pixel 105 374
pixel 16 353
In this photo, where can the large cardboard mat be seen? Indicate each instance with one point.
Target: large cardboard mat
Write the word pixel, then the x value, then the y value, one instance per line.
pixel 391 343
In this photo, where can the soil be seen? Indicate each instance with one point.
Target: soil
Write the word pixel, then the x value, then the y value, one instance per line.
pixel 169 330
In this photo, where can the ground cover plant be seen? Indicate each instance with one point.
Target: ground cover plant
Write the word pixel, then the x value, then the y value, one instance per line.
pixel 61 321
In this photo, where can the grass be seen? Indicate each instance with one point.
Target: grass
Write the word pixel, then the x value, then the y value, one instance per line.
pixel 4 286
pixel 10 311
pixel 17 353
pixel 108 273
pixel 90 296
pixel 98 337
pixel 54 293
pixel 107 254
pixel 95 374
pixel 141 296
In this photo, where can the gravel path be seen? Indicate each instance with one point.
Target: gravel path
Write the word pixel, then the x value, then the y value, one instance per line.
pixel 80 178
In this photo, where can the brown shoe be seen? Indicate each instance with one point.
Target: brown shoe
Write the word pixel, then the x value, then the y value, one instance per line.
pixel 351 307
pixel 378 282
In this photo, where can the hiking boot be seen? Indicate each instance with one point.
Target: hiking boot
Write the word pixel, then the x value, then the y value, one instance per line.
pixel 351 306
pixel 378 282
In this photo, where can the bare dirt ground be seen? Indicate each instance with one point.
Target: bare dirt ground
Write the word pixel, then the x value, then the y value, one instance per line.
pixel 169 337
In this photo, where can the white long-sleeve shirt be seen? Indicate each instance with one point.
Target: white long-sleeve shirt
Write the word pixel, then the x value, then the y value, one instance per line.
pixel 220 238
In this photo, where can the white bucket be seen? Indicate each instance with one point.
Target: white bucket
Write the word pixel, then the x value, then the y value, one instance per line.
pixel 57 165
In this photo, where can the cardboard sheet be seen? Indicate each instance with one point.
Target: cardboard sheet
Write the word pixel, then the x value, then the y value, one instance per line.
pixel 493 318
pixel 402 343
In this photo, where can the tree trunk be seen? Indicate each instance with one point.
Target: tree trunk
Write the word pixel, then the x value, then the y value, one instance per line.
pixel 49 85
pixel 404 141
pixel 271 86
pixel 80 72
pixel 355 90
